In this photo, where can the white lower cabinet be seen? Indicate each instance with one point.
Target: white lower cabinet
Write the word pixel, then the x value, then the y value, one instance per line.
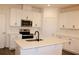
pixel 12 44
pixel 44 50
pixel 72 46
pixel 12 39
pixel 50 50
pixel 67 46
pixel 2 41
pixel 20 51
pixel 29 51
pixel 75 46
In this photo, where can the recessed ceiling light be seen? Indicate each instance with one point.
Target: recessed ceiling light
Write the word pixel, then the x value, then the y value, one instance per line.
pixel 49 5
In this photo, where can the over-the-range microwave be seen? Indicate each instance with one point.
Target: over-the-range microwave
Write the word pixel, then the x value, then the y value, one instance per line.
pixel 26 23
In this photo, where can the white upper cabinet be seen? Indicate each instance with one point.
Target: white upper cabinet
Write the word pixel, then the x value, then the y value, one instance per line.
pixel 26 13
pixel 34 16
pixel 19 17
pixel 69 20
pixel 15 17
pixel 50 12
pixel 75 19
pixel 37 17
pixel 65 21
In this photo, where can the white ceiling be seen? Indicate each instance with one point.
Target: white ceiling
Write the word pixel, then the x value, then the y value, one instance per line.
pixel 52 5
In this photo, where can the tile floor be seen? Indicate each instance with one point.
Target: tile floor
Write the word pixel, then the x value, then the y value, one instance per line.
pixel 6 51
pixel 66 53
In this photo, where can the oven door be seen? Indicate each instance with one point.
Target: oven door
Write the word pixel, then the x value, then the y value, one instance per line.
pixel 27 36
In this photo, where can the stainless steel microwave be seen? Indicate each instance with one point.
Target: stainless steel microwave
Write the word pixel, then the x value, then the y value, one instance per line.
pixel 26 23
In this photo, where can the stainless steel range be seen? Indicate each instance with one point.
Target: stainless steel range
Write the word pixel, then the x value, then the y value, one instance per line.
pixel 26 34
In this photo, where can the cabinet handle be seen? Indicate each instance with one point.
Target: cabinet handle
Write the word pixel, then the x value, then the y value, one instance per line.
pixel 73 26
pixel 69 42
pixel 35 24
pixel 63 26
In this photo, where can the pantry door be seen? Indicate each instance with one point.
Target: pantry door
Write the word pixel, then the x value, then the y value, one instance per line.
pixel 49 26
pixel 2 31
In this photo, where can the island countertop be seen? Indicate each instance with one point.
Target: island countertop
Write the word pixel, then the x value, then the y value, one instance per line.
pixel 23 44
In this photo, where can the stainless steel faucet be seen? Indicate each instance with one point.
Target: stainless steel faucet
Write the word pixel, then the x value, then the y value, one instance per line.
pixel 38 35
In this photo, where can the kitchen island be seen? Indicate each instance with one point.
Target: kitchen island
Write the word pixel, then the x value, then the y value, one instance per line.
pixel 48 46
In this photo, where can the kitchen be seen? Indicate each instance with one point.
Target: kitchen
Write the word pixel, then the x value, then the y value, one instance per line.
pixel 19 22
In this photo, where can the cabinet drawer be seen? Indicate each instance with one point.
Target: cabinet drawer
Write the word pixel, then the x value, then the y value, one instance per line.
pixel 33 51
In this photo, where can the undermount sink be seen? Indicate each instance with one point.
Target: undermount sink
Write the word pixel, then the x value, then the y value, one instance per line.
pixel 30 40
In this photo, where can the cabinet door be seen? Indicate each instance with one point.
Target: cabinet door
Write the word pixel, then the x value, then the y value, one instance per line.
pixel 50 50
pixel 36 19
pixel 27 13
pixel 62 21
pixel 19 17
pixel 67 46
pixel 75 46
pixel 32 51
pixel 75 19
pixel 50 12
pixel 70 19
pixel 49 26
pixel 65 21
pixel 72 46
pixel 24 14
pixel 13 37
pixel 13 17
